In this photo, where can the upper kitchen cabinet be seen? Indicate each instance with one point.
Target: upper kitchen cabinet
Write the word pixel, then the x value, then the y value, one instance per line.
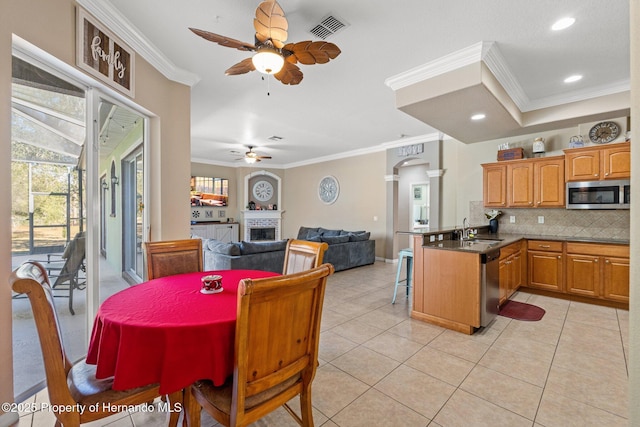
pixel 495 185
pixel 525 183
pixel 596 163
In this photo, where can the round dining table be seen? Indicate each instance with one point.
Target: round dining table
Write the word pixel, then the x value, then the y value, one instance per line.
pixel 166 331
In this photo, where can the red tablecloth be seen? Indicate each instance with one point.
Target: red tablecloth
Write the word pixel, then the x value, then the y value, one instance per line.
pixel 165 331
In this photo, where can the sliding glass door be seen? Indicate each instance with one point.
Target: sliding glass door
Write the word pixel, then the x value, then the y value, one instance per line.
pixel 77 184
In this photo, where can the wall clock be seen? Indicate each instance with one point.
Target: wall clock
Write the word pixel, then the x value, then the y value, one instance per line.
pixel 263 190
pixel 604 132
pixel 328 189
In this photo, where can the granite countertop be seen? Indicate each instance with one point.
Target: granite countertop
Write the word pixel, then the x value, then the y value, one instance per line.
pixel 485 242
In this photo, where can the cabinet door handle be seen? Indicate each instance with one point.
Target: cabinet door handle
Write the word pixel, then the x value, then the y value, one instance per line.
pixel 606 261
pixel 545 246
pixel 606 174
pixel 559 256
pixel 596 260
pixel 595 174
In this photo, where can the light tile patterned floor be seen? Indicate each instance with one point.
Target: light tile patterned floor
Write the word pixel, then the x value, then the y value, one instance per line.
pixel 379 367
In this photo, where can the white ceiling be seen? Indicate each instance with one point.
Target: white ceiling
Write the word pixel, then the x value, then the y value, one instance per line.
pixel 345 106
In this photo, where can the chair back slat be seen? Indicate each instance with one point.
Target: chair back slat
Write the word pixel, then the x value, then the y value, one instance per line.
pixel 302 255
pixel 166 258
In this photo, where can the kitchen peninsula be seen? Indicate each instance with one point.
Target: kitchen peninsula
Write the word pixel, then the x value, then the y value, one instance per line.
pixel 459 284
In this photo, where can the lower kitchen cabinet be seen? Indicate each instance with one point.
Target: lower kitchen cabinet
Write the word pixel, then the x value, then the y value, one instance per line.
pixel 512 270
pixel 597 270
pixel 545 265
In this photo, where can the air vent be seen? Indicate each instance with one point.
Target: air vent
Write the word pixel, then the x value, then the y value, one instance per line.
pixel 328 26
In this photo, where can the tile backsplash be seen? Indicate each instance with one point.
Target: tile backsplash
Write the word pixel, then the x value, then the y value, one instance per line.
pixel 601 224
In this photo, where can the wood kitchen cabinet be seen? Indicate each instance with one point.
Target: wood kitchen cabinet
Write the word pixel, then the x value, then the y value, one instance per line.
pixel 512 269
pixel 495 185
pixel 446 287
pixel 598 270
pixel 598 163
pixel 527 183
pixel 545 265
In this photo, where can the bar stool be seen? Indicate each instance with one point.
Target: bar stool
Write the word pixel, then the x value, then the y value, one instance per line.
pixel 408 254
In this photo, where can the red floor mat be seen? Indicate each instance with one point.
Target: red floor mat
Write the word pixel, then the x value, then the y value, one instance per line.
pixel 521 311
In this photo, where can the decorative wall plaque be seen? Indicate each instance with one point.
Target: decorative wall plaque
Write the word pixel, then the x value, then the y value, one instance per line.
pixel 103 55
pixel 410 150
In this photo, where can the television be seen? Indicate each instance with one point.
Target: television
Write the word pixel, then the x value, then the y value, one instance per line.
pixel 208 191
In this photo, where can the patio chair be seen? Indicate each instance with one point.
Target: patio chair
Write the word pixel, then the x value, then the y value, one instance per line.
pixel 303 255
pixel 169 257
pixel 65 270
pixel 275 359
pixel 72 385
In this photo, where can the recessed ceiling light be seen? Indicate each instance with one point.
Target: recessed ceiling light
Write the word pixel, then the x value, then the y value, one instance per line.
pixel 478 116
pixel 573 78
pixel 563 23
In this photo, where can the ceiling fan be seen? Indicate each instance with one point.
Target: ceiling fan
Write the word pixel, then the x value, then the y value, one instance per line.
pixel 252 157
pixel 272 55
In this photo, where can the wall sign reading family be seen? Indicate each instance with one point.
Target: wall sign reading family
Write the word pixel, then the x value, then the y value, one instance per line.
pixel 103 55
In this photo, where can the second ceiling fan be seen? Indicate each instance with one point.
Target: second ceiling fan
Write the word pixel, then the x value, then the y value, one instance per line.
pixel 272 55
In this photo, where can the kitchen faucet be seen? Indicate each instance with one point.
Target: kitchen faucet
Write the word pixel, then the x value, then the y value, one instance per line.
pixel 465 229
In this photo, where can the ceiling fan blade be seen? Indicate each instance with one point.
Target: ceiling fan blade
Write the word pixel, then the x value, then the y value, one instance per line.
pixel 263 157
pixel 290 74
pixel 271 24
pixel 310 52
pixel 224 41
pixel 241 67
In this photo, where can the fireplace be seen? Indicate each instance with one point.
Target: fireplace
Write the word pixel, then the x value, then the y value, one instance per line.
pixel 262 225
pixel 257 234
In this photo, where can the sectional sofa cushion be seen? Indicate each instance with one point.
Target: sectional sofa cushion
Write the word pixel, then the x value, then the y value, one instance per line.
pixel 329 233
pixel 247 248
pixel 222 247
pixel 334 239
pixel 359 236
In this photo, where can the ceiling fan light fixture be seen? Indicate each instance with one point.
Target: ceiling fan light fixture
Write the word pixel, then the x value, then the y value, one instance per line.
pixel 250 160
pixel 268 60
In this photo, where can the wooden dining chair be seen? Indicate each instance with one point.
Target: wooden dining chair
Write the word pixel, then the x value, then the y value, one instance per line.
pixel 169 257
pixel 275 358
pixel 302 255
pixel 72 385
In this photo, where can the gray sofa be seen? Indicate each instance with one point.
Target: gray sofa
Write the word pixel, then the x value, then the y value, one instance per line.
pixel 346 250
pixel 267 256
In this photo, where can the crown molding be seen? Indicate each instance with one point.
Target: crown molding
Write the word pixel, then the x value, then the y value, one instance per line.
pixel 445 64
pixel 120 25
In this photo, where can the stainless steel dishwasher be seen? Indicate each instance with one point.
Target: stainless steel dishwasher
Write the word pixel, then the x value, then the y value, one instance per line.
pixel 490 286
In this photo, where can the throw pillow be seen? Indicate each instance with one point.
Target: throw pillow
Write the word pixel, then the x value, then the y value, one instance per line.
pixel 335 239
pixel 223 248
pixel 302 233
pixel 313 235
pixel 359 237
pixel 331 233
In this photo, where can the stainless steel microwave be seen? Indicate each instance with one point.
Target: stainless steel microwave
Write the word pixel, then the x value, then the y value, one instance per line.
pixel 599 194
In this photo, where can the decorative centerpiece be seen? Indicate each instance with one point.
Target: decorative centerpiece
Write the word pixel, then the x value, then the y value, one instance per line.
pixel 492 216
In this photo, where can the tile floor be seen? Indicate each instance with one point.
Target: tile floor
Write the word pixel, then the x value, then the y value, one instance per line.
pixel 379 367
